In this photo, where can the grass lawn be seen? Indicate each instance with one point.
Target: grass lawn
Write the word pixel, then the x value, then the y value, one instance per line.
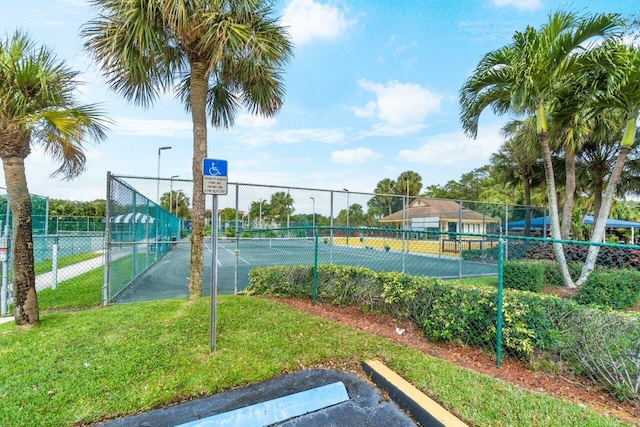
pixel 80 291
pixel 65 261
pixel 89 365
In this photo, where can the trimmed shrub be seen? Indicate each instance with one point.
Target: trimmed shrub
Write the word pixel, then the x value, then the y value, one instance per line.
pixel 604 346
pixel 524 275
pixel 615 289
pixel 280 281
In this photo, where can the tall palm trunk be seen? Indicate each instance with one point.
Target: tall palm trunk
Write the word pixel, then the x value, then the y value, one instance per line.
pixel 198 98
pixel 601 219
pixel 570 190
pixel 25 301
pixel 553 209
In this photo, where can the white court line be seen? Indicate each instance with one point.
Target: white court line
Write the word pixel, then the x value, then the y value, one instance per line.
pixel 231 252
pixel 209 247
pixel 239 257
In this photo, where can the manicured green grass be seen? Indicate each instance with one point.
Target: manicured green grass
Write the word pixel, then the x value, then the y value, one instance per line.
pixel 65 261
pixel 83 366
pixel 84 290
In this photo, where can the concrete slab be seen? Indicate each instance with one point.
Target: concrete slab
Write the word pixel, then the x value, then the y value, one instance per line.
pixel 365 407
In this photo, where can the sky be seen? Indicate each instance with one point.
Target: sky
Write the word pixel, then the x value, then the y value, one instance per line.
pixel 371 92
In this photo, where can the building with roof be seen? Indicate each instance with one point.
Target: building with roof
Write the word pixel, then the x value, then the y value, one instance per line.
pixel 440 215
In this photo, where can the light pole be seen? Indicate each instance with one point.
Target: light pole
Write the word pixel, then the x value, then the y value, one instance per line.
pixel 158 188
pixel 171 195
pixel 313 200
pixel 347 215
pixel 260 221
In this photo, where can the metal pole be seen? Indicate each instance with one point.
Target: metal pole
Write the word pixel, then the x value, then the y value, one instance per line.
pixel 347 215
pixel 4 293
pixel 214 271
pixel 315 267
pixel 460 240
pixel 107 244
pixel 171 195
pixel 158 181
pixel 54 264
pixel 237 234
pixel 499 304
pixel 313 218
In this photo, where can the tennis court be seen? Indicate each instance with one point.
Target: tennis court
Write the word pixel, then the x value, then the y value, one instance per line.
pixel 169 277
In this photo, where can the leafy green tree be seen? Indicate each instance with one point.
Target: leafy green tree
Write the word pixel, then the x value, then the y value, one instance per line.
pixel 385 199
pixel 228 214
pixel 518 160
pixel 409 183
pixel 524 77
pixel 176 202
pixel 620 64
pixel 219 56
pixel 281 206
pixel 38 106
pixel 259 211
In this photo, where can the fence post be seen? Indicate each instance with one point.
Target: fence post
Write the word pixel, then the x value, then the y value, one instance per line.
pixel 499 304
pixel 107 244
pixel 315 266
pixel 54 263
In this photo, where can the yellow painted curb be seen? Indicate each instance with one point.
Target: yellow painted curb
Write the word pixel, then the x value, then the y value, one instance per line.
pixel 423 409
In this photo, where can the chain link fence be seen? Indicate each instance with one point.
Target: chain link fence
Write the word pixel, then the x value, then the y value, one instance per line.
pixel 251 218
pixel 66 249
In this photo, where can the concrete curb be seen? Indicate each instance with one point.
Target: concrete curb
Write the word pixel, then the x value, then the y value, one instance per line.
pixel 424 410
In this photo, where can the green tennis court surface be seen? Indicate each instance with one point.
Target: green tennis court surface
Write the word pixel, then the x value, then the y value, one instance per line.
pixel 169 277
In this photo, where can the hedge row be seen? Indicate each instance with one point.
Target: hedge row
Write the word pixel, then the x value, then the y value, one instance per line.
pixel 605 288
pixel 605 346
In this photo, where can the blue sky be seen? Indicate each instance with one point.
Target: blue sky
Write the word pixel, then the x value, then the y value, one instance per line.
pixel 372 91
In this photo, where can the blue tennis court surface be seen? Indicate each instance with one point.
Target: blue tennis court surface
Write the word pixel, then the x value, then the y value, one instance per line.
pixel 169 277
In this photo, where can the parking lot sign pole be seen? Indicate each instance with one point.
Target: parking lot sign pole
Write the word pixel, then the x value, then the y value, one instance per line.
pixel 214 271
pixel 214 181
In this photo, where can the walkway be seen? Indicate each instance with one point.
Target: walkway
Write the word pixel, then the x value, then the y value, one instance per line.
pixel 45 280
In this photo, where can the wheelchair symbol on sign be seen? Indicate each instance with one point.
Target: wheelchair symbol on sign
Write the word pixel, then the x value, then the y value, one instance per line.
pixel 213 170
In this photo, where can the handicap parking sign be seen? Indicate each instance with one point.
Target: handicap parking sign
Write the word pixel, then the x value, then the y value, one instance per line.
pixel 214 167
pixel 214 176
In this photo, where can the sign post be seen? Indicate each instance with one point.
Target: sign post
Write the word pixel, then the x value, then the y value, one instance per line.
pixel 214 182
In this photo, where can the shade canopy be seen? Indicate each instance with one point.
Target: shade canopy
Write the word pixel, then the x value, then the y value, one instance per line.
pixel 543 221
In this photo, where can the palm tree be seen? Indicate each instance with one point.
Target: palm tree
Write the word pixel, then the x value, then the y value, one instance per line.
pixel 219 55
pixel 37 107
pixel 385 191
pixel 281 205
pixel 176 202
pixel 523 78
pixel 518 162
pixel 621 64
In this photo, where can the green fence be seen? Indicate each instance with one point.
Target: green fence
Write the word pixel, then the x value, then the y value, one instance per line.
pixel 138 232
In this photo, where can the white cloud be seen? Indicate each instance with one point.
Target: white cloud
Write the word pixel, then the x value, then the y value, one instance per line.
pixel 74 3
pixel 386 129
pixel 519 4
pixel 308 20
pixel 357 155
pixel 455 149
pixel 254 121
pixel 293 136
pixel 142 127
pixel 399 103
